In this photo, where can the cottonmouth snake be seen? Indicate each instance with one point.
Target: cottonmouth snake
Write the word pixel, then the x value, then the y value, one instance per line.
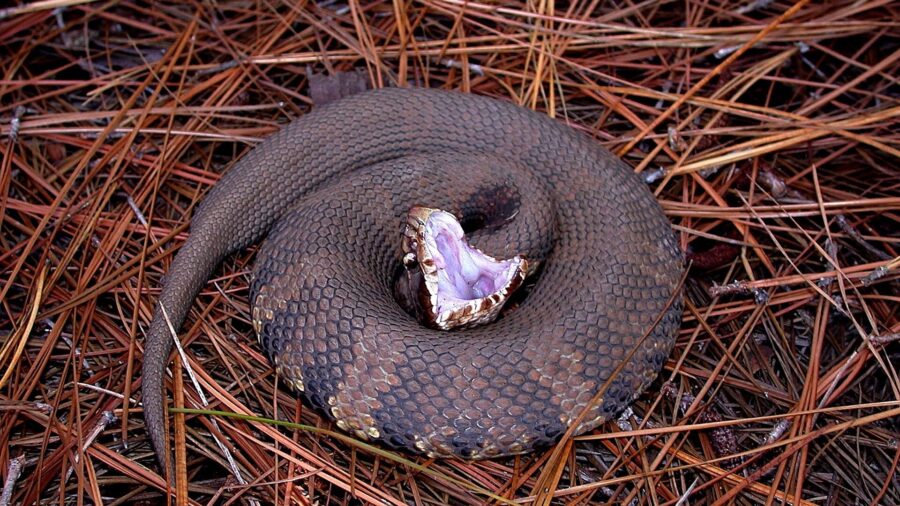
pixel 331 191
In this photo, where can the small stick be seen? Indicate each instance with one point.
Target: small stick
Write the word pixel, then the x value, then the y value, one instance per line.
pixel 739 287
pixel 16 123
pixel 12 475
pixel 884 339
pixel 106 418
pixel 848 229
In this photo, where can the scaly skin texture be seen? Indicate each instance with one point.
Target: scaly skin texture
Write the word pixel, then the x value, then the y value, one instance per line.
pixel 333 188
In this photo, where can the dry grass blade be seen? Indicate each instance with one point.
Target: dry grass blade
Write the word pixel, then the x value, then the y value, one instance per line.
pixel 767 130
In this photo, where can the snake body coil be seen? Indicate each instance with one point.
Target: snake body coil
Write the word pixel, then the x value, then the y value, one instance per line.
pixel 331 190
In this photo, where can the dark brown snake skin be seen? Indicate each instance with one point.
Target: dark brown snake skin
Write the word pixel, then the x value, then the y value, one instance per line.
pixel 332 189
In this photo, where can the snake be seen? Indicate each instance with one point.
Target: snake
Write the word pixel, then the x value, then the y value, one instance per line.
pixel 445 273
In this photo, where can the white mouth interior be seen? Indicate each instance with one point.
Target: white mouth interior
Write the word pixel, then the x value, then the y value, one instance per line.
pixel 465 276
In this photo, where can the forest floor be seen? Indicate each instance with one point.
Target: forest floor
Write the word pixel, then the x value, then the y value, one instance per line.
pixel 769 131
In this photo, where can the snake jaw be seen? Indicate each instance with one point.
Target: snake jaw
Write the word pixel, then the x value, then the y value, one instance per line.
pixel 460 285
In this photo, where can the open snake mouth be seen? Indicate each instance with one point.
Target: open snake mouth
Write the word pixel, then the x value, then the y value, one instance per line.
pixel 459 285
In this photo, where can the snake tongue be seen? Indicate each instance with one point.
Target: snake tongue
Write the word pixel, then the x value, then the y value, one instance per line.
pixel 461 285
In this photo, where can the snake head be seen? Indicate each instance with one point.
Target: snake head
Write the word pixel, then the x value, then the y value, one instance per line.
pixel 456 285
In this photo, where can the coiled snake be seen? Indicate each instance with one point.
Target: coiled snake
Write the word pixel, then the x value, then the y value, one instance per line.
pixel 332 190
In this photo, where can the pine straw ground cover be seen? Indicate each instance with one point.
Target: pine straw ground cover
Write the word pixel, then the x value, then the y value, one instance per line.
pixel 768 131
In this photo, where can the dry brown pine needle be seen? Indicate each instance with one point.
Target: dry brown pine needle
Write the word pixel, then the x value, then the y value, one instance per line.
pixel 768 130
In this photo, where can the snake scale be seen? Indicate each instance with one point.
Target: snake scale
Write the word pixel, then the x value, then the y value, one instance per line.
pixel 330 192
